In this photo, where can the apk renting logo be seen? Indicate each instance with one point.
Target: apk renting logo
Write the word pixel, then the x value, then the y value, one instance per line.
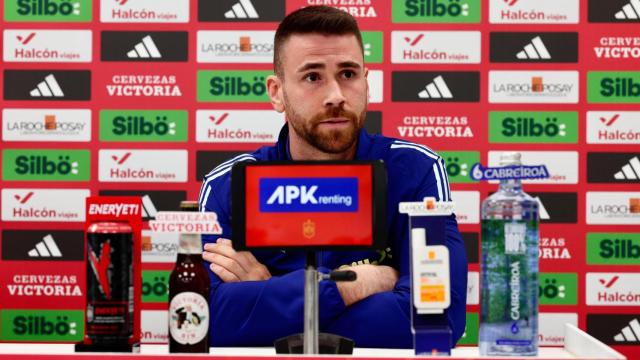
pixel 309 195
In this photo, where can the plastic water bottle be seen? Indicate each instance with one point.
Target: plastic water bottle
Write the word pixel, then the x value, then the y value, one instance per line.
pixel 509 270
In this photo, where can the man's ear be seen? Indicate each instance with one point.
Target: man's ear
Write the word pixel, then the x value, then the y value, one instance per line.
pixel 366 79
pixel 274 88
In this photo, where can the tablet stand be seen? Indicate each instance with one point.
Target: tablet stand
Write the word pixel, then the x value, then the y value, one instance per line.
pixel 311 341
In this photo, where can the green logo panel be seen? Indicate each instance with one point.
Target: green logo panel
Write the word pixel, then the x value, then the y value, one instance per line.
pixel 613 248
pixel 613 87
pixel 458 164
pixel 558 288
pixel 155 286
pixel 470 336
pixel 233 86
pixel 533 127
pixel 144 125
pixel 42 325
pixel 46 165
pixel 48 10
pixel 436 11
pixel 373 50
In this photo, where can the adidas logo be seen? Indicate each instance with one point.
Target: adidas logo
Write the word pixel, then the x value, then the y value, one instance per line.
pixel 438 89
pixel 534 50
pixel 630 171
pixel 47 88
pixel 629 11
pixel 242 10
pixel 148 208
pixel 46 248
pixel 544 214
pixel 630 333
pixel 145 49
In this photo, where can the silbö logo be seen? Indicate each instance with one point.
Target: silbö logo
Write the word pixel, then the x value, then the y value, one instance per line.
pixel 436 8
pixel 36 165
pixel 236 85
pixel 308 195
pixel 48 7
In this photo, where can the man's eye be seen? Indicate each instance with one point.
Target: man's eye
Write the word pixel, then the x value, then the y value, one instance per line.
pixel 312 77
pixel 349 74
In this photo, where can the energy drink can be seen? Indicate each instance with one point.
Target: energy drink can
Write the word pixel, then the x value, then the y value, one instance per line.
pixel 110 290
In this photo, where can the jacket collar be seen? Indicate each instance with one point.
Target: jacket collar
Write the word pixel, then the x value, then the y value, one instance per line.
pixel 362 148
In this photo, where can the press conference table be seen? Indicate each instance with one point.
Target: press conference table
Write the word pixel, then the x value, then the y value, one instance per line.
pixel 578 346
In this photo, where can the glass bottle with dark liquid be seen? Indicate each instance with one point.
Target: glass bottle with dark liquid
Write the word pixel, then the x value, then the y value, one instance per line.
pixel 188 294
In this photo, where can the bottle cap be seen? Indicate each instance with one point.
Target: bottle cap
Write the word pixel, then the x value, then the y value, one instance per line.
pixel 188 205
pixel 510 158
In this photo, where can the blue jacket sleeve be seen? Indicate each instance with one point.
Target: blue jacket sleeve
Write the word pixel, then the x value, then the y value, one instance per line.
pixel 254 313
pixel 383 320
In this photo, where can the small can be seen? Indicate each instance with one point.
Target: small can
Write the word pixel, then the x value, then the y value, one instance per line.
pixel 110 294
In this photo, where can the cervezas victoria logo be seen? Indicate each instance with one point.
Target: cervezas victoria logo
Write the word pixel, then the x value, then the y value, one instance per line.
pixel 144 11
pixel 47 45
pixel 143 86
pixel 143 165
pixel 361 9
pixel 616 47
pixel 57 205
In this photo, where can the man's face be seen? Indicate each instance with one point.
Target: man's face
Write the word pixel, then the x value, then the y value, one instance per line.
pixel 324 92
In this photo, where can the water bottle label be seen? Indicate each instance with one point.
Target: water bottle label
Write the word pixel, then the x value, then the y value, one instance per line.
pixel 514 238
pixel 478 172
pixel 188 318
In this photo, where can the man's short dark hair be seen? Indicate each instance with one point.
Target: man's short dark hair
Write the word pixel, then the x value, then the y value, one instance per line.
pixel 323 20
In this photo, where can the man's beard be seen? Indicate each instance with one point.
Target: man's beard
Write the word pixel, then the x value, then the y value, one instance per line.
pixel 333 141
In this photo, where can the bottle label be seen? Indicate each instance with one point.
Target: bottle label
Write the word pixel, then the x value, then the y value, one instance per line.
pixel 509 298
pixel 512 172
pixel 188 318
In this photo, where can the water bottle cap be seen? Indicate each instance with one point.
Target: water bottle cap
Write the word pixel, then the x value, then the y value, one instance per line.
pixel 510 158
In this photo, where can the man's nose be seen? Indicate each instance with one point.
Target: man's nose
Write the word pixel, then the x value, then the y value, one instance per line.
pixel 334 96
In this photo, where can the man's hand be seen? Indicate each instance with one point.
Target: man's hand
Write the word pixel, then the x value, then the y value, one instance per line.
pixel 231 265
pixel 372 279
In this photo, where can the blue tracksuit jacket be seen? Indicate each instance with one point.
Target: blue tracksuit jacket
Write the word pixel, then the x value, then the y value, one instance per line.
pixel 255 313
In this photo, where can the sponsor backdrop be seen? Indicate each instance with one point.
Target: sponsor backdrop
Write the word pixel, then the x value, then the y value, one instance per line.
pixel 144 97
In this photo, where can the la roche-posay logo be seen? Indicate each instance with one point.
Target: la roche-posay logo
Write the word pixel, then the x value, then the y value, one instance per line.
pixel 47 45
pixel 562 165
pixel 308 194
pixel 534 11
pixel 56 205
pixel 46 125
pixel 235 46
pixel 238 126
pixel 540 87
pixel 142 165
pixel 144 11
pixel 609 207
